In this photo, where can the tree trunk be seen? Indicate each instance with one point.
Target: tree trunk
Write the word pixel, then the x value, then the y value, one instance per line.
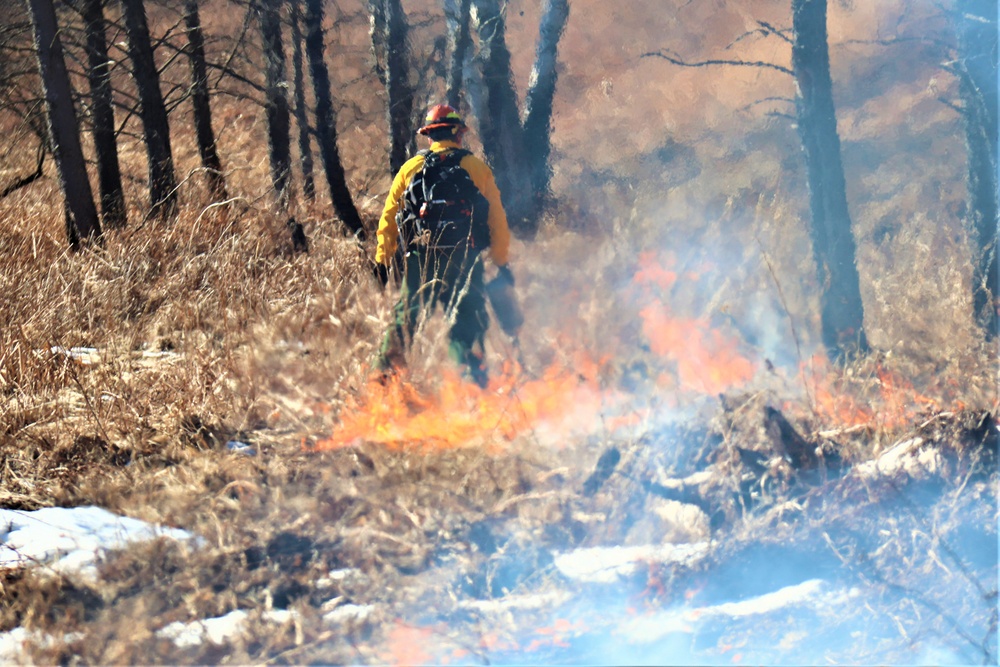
pixel 301 112
pixel 82 221
pixel 109 175
pixel 833 240
pixel 402 141
pixel 276 101
pixel 326 123
pixel 541 91
pixel 153 112
pixel 500 126
pixel 379 34
pixel 977 72
pixel 279 130
pixel 461 39
pixel 200 102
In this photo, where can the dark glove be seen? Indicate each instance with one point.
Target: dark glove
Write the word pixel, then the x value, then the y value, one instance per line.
pixel 381 273
pixel 505 275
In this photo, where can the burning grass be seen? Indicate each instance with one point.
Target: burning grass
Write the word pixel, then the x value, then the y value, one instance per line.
pixel 428 510
pixel 665 399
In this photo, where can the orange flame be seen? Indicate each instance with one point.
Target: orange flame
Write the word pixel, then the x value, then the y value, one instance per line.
pixel 460 414
pixel 407 645
pixel 707 361
pixel 893 401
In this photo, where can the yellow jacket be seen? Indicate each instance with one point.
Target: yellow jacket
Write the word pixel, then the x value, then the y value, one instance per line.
pixel 482 177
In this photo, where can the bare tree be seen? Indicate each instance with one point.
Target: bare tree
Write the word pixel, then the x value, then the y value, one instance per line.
pixel 834 250
pixel 82 220
pixel 378 31
pixel 301 112
pixel 278 117
pixel 499 120
pixel 976 68
pixel 541 93
pixel 200 102
pixel 519 152
pixel 391 56
pixel 153 112
pixel 326 123
pixel 102 112
pixel 460 39
pixel 842 311
pixel 402 139
pixel 276 102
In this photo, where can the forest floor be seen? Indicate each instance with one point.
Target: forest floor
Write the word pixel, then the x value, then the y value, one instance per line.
pixel 646 486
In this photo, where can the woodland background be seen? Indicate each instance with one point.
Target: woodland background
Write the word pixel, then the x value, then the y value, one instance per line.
pixel 128 365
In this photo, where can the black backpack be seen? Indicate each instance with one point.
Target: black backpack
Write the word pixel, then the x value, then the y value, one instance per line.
pixel 442 208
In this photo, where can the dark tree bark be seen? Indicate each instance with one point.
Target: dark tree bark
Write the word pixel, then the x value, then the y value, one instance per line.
pixel 109 175
pixel 379 31
pixel 277 114
pixel 326 124
pixel 460 39
pixel 977 75
pixel 152 111
pixel 82 220
pixel 276 102
pixel 402 141
pixel 842 313
pixel 500 124
pixel 200 102
pixel 541 92
pixel 301 112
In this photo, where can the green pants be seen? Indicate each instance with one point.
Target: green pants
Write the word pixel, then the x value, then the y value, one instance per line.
pixel 454 280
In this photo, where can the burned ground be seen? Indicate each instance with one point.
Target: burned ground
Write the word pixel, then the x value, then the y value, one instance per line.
pixel 669 406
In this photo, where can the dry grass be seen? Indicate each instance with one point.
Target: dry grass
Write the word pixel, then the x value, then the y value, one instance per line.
pixel 209 329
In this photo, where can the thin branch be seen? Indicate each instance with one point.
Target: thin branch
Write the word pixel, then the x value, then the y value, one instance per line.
pixel 891 41
pixel 960 110
pixel 705 63
pixel 765 100
pixel 777 32
pixel 30 178
pixel 765 29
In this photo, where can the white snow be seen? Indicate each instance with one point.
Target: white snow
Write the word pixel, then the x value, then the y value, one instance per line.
pixel 516 602
pixel 653 627
pixel 908 456
pixel 224 629
pixel 218 630
pixel 11 643
pixel 606 565
pixel 348 613
pixel 84 355
pixel 70 539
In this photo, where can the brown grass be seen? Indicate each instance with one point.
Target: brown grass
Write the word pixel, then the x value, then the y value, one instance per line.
pixel 208 329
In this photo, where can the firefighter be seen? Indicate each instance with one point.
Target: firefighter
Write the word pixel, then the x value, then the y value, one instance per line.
pixel 443 239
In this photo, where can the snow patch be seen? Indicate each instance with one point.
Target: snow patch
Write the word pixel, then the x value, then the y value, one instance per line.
pixel 348 613
pixel 654 627
pixel 606 565
pixel 516 602
pixel 219 630
pixel 71 539
pixel 12 643
pixel 904 457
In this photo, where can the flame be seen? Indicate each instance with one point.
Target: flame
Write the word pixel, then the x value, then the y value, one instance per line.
pixel 458 413
pixel 889 401
pixel 706 360
pixel 407 645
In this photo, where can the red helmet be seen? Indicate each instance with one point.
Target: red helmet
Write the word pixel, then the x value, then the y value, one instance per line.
pixel 441 115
